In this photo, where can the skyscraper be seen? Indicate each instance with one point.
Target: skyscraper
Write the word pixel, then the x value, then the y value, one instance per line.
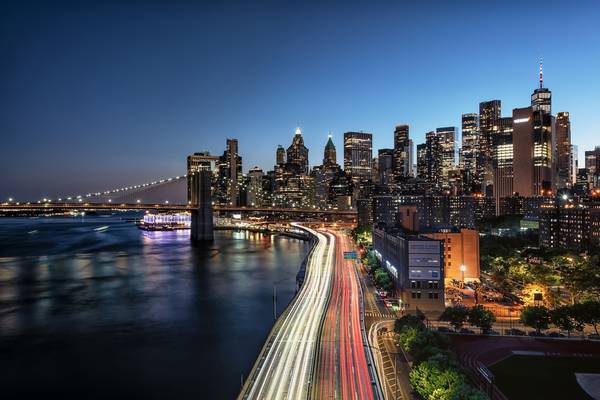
pixel 564 158
pixel 280 155
pixel 230 175
pixel 297 154
pixel 422 164
pixel 447 139
pixel 533 145
pixel 329 155
pixel 541 98
pixel 402 160
pixel 255 187
pixel 358 154
pixel 503 162
pixel 385 160
pixel 434 159
pixel 592 166
pixel 574 162
pixel 489 114
pixel 469 153
pixel 196 163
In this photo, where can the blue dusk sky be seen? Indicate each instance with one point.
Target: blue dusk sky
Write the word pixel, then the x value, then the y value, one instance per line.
pixel 95 95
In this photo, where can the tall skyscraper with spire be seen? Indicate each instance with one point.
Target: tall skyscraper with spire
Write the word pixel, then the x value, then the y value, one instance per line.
pixel 534 145
pixel 541 98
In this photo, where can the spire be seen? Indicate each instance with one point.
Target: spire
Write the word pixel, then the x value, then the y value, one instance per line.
pixel 541 75
pixel 298 131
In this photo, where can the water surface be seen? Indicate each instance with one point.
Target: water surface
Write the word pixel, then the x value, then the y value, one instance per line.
pixel 122 313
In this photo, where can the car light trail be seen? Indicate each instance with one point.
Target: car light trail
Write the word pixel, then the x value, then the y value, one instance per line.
pixel 343 370
pixel 285 366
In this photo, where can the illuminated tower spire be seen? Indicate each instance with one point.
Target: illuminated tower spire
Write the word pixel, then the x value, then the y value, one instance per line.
pixel 541 98
pixel 541 75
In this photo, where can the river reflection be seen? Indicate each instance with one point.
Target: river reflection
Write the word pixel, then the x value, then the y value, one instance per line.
pixel 120 312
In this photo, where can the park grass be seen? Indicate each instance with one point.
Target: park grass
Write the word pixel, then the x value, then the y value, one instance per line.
pixel 543 377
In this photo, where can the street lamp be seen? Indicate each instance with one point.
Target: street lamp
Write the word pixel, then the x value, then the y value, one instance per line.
pixel 463 268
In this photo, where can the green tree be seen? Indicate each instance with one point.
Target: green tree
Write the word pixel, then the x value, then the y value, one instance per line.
pixel 590 311
pixel 562 317
pixel 482 318
pixel 434 382
pixel 456 316
pixel 407 337
pixel 577 313
pixel 383 280
pixel 415 321
pixel 536 317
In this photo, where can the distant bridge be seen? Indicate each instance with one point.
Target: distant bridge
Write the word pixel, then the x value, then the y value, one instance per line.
pixel 85 206
pixel 168 195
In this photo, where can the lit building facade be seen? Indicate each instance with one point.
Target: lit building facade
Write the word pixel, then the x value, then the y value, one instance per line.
pixel 416 264
pixel 402 159
pixel 385 167
pixel 461 253
pixel 469 153
pixel 447 142
pixel 489 116
pixel 533 144
pixel 358 154
pixel 564 155
pixel 297 154
pixel 503 162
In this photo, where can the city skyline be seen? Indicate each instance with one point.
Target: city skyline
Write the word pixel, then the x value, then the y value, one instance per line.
pixel 149 129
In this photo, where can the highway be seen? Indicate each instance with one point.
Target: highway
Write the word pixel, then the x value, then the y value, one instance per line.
pixel 342 371
pixel 285 366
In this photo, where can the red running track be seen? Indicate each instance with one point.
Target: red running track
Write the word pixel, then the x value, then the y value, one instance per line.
pixel 343 372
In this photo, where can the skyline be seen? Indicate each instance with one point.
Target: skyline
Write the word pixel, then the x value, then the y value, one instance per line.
pixel 143 113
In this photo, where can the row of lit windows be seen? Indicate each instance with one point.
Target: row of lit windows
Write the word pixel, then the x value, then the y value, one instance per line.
pixel 431 295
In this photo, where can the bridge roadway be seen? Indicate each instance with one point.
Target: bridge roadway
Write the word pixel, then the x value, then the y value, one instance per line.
pixel 285 367
pixel 163 207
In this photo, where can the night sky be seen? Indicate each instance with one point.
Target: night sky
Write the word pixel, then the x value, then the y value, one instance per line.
pixel 95 95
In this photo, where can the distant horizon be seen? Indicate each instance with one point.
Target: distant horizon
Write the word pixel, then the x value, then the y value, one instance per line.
pixel 99 96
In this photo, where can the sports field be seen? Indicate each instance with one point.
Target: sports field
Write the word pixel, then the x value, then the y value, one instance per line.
pixel 543 377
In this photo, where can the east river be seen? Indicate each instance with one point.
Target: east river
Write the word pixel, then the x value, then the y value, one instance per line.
pixel 94 308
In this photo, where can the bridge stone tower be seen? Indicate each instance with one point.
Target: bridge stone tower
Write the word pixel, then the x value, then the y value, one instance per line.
pixel 199 175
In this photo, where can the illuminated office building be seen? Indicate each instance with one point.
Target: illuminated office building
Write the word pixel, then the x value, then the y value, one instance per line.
pixel 502 146
pixel 402 150
pixel 469 153
pixel 489 115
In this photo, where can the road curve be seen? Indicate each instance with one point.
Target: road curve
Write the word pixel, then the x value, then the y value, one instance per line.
pixel 285 366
